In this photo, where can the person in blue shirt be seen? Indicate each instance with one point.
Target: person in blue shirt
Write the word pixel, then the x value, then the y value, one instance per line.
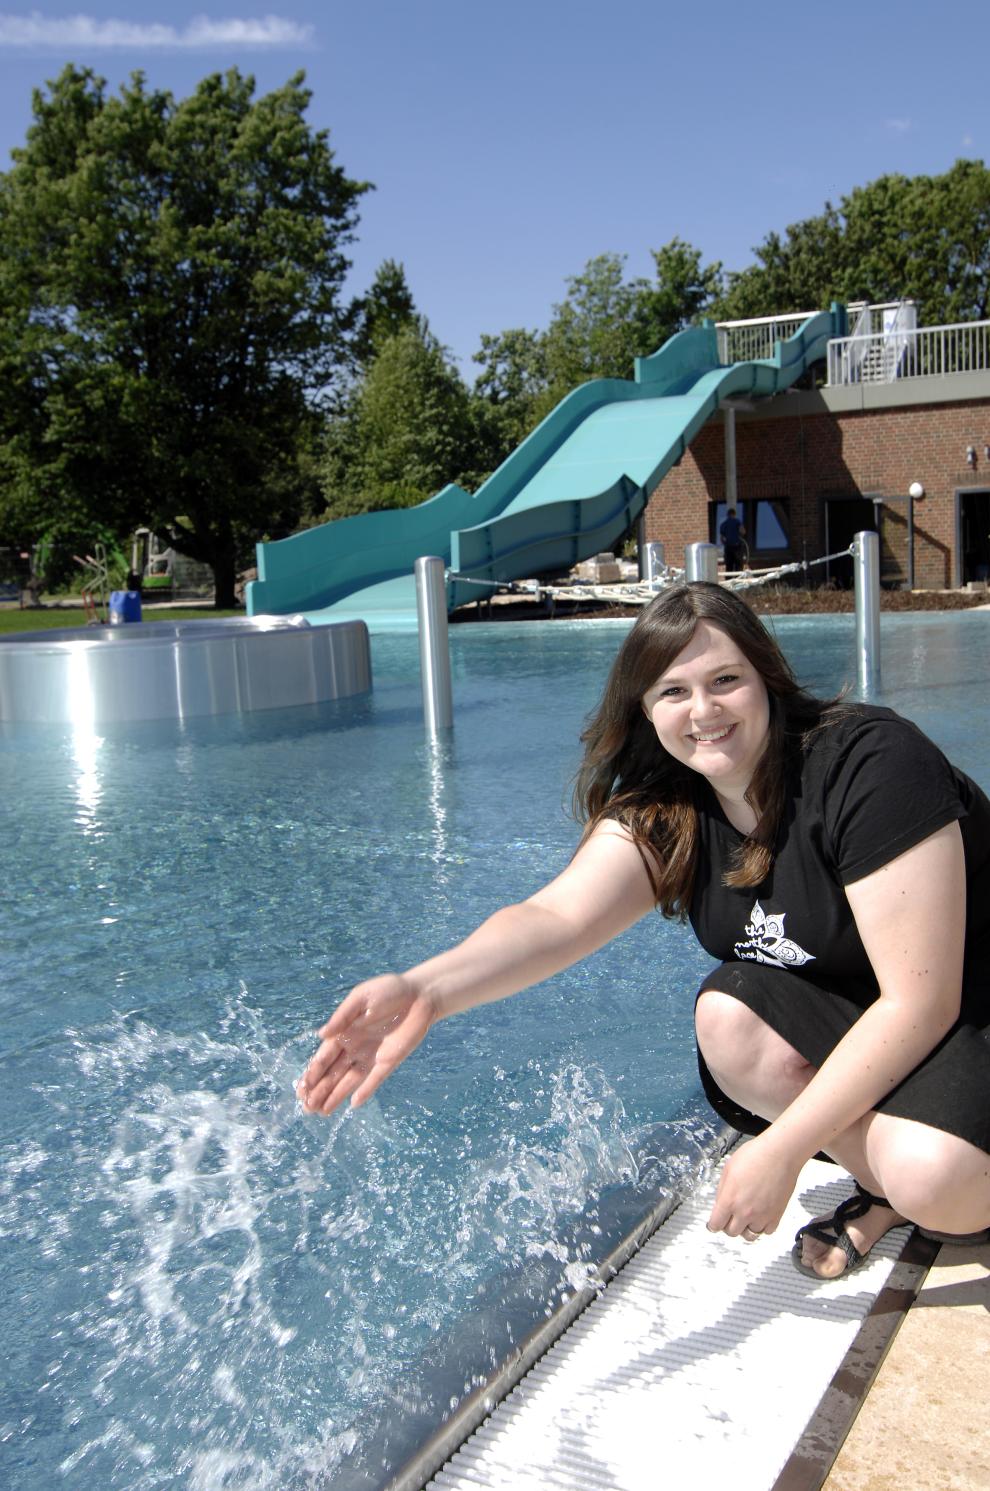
pixel 732 534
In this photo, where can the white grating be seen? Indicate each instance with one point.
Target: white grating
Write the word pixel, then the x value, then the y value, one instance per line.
pixel 705 1358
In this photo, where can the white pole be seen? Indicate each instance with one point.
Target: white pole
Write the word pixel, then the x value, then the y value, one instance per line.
pixel 701 562
pixel 434 645
pixel 866 569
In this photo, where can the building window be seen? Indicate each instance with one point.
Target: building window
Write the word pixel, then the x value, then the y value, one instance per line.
pixel 766 521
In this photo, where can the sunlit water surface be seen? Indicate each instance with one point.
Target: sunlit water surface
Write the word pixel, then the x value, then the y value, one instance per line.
pixel 203 1287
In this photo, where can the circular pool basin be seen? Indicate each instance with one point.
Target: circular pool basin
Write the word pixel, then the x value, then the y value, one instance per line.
pixel 177 670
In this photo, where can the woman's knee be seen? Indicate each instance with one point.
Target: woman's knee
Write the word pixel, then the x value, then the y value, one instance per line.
pixel 730 1029
pixel 742 1048
pixel 722 1020
pixel 934 1178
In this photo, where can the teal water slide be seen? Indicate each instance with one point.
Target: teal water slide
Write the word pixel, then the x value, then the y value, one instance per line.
pixel 573 488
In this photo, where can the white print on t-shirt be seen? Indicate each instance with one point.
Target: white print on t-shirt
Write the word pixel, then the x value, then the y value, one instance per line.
pixel 768 943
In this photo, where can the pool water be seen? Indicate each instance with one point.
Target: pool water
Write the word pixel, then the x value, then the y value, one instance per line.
pixel 204 1287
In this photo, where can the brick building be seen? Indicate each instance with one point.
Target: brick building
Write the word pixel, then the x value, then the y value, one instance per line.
pixel 815 466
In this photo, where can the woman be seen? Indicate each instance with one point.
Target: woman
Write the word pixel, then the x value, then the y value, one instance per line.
pixel 839 869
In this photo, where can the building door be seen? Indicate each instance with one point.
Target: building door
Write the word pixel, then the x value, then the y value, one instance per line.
pixel 844 518
pixel 974 522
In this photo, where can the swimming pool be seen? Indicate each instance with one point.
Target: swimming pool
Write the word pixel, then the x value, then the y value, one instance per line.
pixel 204 1287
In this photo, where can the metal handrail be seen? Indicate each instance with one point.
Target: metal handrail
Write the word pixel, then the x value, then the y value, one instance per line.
pixel 755 337
pixel 922 352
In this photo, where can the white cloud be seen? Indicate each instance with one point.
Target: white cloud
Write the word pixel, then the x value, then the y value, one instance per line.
pixel 898 126
pixel 967 141
pixel 202 33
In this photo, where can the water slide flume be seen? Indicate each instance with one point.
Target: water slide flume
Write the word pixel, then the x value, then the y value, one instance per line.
pixel 571 489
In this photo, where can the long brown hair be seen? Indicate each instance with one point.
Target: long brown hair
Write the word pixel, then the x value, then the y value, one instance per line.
pixel 627 775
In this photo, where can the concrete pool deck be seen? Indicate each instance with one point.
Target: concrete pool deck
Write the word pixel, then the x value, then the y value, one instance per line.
pixel 923 1423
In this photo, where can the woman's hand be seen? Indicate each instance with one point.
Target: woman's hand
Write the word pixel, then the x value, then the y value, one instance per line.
pixel 603 890
pixel 757 1182
pixel 375 1028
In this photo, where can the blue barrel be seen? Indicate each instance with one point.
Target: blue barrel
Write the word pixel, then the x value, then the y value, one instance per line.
pixel 125 605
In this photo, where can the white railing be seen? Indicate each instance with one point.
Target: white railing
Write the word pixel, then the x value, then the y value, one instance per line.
pixel 859 332
pixel 924 352
pixel 742 341
pixel 866 319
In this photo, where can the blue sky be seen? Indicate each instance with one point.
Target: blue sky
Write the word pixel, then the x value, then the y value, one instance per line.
pixel 511 142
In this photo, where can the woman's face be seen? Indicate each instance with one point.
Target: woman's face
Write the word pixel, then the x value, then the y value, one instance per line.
pixel 710 710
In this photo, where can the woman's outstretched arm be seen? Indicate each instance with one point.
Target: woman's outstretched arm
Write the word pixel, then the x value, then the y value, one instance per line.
pixel 603 890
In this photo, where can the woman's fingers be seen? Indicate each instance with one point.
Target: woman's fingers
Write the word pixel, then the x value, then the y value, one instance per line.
pixel 341 1091
pixel 320 1064
pixel 373 1030
pixel 756 1185
pixel 344 1015
pixel 317 1083
pixel 372 1082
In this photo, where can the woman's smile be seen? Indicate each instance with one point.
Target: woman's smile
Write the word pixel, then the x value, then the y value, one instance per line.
pixel 713 734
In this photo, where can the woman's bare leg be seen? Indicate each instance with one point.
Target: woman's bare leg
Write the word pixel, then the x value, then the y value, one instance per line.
pixel 930 1177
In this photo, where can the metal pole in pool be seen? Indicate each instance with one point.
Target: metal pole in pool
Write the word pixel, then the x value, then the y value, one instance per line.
pixel 654 567
pixel 701 563
pixel 434 646
pixel 866 569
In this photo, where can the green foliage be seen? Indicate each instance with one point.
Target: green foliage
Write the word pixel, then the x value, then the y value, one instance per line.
pixel 682 293
pixel 170 280
pixel 512 385
pixel 597 331
pixel 173 337
pixel 387 308
pixel 922 238
pixel 949 226
pixel 14 620
pixel 408 429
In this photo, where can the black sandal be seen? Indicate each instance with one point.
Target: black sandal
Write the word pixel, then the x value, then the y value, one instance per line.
pixel 832 1232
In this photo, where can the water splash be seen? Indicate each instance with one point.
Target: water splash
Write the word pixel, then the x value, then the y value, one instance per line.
pixel 249 1287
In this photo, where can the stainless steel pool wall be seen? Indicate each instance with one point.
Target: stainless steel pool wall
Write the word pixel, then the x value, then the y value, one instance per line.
pixel 178 670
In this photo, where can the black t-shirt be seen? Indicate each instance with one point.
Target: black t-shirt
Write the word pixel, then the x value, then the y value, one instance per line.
pixel 866 788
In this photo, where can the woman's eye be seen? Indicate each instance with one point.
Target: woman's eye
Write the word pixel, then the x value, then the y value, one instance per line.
pixel 727 678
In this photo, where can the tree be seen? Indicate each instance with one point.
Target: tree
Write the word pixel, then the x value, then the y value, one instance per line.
pixel 604 323
pixel 171 311
pixel 511 386
pixel 683 291
pixel 796 273
pixel 922 238
pixel 594 331
pixel 387 309
pixel 408 430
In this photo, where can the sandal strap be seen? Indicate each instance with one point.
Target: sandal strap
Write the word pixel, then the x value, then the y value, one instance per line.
pixel 870 1198
pixel 832 1230
pixel 833 1237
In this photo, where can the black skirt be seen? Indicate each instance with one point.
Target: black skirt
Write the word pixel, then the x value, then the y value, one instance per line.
pixel 950 1090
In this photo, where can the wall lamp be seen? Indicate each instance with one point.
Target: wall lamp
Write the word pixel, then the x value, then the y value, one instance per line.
pixel 971 455
pixel 915 492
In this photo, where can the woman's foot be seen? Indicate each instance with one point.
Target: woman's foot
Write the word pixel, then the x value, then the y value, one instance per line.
pixel 832 1245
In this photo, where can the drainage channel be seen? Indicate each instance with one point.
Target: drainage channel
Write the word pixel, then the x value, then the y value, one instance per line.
pixel 697 1352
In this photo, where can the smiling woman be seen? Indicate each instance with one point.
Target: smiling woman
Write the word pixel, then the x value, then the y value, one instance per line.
pixel 792 832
